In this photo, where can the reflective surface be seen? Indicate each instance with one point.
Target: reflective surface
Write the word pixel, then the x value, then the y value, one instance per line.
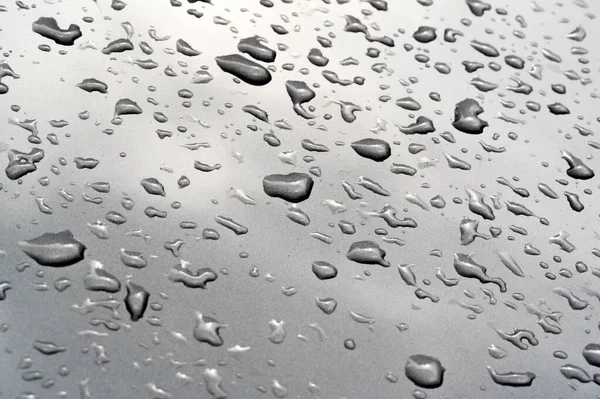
pixel 336 199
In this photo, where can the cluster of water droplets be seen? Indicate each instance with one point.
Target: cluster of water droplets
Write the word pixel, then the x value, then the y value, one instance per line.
pixel 273 204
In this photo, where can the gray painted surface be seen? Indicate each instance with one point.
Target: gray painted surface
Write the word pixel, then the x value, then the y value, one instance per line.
pixel 141 354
